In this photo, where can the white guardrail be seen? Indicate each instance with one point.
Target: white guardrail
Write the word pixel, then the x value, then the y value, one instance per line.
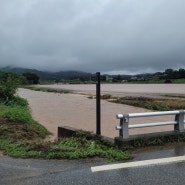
pixel 124 121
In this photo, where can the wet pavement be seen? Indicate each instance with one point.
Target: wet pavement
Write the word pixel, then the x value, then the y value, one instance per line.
pixel 67 172
pixel 170 150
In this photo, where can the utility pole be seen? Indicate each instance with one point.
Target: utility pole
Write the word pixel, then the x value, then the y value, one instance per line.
pixel 98 105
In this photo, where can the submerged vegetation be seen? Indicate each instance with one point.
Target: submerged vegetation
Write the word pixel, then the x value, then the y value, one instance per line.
pixel 169 102
pixel 46 89
pixel 159 104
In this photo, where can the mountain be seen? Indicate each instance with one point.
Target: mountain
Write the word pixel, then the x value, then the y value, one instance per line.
pixel 44 75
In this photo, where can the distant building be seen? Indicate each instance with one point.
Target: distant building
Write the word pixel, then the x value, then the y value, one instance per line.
pixel 134 78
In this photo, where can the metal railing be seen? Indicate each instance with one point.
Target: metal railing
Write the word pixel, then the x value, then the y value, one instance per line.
pixel 124 121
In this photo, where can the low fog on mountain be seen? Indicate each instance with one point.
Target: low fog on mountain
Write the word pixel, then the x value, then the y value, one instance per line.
pixel 124 37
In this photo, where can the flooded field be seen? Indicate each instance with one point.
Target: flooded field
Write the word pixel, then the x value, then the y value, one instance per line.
pixel 125 89
pixel 78 111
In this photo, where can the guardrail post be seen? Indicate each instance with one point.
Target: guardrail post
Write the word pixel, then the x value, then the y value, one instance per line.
pixel 123 127
pixel 180 121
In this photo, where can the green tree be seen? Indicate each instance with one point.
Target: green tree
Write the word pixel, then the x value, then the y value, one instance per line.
pixel 8 85
pixel 181 73
pixel 31 77
pixel 117 78
pixel 169 73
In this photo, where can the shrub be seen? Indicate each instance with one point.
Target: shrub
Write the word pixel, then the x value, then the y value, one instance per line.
pixel 18 101
pixel 168 81
pixel 32 78
pixel 8 87
pixel 7 92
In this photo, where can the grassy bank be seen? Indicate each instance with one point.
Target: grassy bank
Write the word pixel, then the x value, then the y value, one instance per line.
pixel 21 136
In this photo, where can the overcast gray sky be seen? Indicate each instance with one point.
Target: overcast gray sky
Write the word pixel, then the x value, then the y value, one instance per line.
pixel 117 36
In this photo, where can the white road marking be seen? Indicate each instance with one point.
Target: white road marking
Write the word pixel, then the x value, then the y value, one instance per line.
pixel 138 163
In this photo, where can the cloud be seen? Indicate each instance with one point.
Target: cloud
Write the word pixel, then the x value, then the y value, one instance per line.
pixel 129 35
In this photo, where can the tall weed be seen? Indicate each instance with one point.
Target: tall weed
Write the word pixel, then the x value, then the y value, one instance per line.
pixel 18 114
pixel 18 101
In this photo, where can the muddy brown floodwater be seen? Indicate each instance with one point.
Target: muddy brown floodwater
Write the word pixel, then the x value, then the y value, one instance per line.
pixel 125 89
pixel 78 111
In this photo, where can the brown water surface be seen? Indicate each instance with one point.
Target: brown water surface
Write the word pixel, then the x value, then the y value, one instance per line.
pixel 78 111
pixel 125 89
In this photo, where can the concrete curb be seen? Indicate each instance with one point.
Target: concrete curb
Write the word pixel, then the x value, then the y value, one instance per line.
pixel 66 131
pixel 169 136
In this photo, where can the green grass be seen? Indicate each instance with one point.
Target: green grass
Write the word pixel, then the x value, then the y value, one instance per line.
pixel 139 143
pixel 76 147
pixel 83 145
pixel 179 81
pixel 19 150
pixel 152 103
pixel 17 114
pixel 18 101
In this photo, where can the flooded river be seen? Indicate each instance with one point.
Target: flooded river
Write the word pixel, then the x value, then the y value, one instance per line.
pixel 78 111
pixel 125 89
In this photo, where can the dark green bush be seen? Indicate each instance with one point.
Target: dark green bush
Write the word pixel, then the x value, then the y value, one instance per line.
pixel 8 86
pixel 18 101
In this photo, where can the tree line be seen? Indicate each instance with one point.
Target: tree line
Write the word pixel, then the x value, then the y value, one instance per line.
pixel 174 74
pixel 21 79
pixel 9 82
pixel 168 75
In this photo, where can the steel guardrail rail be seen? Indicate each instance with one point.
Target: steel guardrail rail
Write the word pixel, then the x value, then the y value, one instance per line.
pixel 147 114
pixel 124 121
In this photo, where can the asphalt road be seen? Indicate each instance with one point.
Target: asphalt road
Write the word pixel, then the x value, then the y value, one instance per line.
pixel 47 172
